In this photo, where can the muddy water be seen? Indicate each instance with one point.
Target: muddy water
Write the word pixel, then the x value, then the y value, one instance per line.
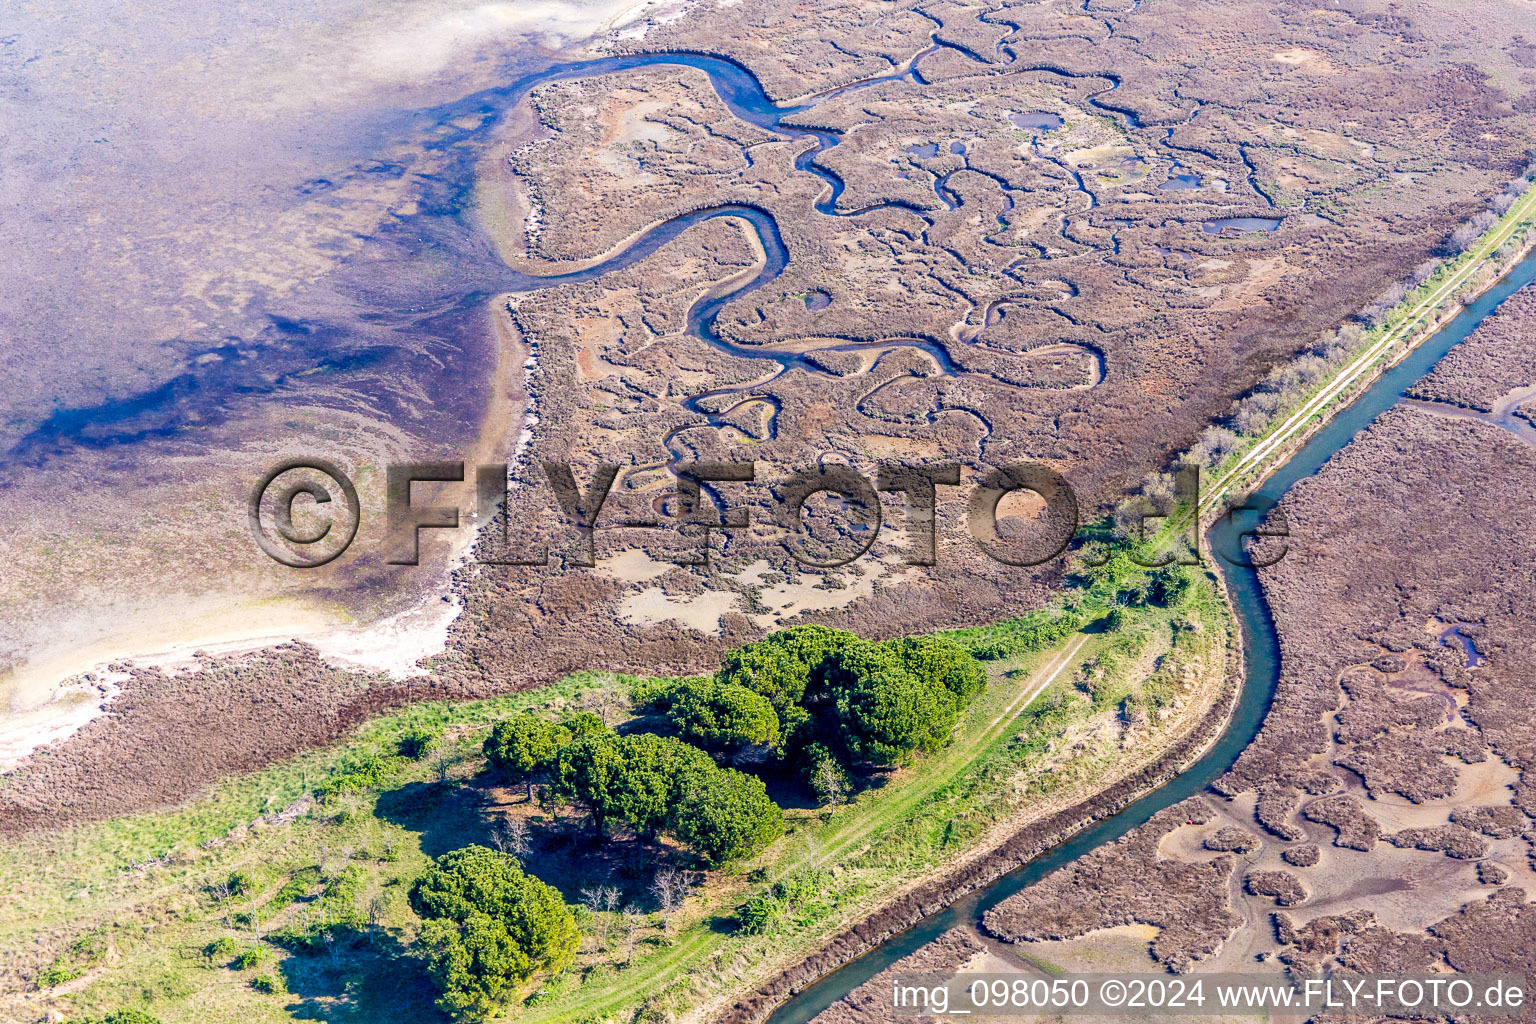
pixel 1258 687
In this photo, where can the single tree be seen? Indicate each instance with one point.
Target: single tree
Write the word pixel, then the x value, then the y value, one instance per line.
pixel 723 716
pixel 670 887
pixel 594 772
pixel 829 782
pixel 513 837
pixel 521 748
pixel 592 899
pixel 728 818
pixel 488 928
pixel 634 917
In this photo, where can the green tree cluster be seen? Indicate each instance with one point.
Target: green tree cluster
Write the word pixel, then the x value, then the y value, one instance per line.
pixel 488 928
pixel 523 747
pixel 659 783
pixel 844 700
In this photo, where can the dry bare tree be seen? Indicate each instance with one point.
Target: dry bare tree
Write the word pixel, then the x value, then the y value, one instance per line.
pixel 829 782
pixel 515 837
pixel 592 899
pixel 670 887
pixel 441 764
pixel 223 892
pixel 377 907
pixel 610 903
pixel 634 917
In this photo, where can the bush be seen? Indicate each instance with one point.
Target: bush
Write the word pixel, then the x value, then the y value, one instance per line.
pixel 87 950
pixel 268 984
pixel 1024 635
pixel 760 913
pixel 58 974
pixel 364 772
pixel 488 928
pixel 338 900
pixel 417 743
pixel 243 883
pixel 295 889
pixel 119 1017
pixel 253 957
pixel 1173 585
pixel 220 948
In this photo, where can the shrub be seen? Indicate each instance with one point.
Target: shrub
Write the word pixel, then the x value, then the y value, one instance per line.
pixel 366 771
pixel 300 885
pixel 253 957
pixel 268 984
pixel 760 913
pixel 58 974
pixel 1173 585
pixel 418 743
pixel 220 948
pixel 243 883
pixel 125 1016
pixel 85 951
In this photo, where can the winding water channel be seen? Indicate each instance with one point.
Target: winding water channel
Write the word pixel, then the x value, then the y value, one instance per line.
pixel 745 97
